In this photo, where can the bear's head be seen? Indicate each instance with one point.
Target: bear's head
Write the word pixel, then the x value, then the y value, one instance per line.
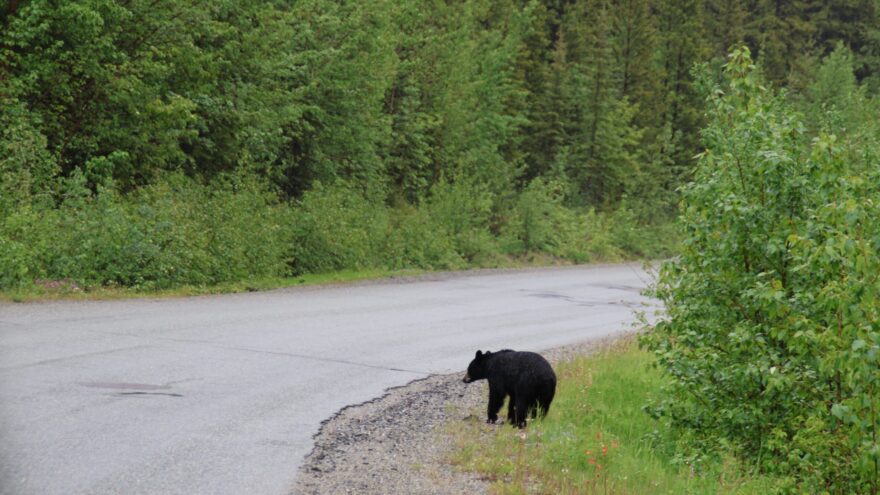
pixel 477 369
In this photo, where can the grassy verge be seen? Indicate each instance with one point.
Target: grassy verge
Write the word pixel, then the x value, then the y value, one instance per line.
pixel 597 440
pixel 69 291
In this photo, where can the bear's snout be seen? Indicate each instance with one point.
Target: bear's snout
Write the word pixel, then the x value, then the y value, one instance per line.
pixel 467 378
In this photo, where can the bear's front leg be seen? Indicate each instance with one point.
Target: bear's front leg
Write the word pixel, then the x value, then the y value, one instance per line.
pixel 496 399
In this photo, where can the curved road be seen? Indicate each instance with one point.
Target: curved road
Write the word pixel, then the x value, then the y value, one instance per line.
pixel 222 394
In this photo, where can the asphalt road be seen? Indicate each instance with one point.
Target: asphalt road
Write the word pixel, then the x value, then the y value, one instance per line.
pixel 222 394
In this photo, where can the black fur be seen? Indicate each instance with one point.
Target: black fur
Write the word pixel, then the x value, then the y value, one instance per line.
pixel 525 377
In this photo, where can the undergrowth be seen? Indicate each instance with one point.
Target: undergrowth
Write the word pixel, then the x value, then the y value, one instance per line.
pixel 236 232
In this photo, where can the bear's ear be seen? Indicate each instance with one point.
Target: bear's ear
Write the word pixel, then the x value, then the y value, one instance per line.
pixel 479 353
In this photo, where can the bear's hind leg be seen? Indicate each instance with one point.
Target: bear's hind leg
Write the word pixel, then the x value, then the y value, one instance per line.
pixel 511 409
pixel 544 401
pixel 522 406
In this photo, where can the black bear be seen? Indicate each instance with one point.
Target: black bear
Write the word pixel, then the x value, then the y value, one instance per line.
pixel 524 376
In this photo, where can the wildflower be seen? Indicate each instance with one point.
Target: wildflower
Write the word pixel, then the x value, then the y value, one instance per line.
pixel 614 444
pixel 588 452
pixel 604 449
pixel 592 461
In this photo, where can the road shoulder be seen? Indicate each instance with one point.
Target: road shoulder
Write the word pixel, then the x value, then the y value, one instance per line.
pixel 400 442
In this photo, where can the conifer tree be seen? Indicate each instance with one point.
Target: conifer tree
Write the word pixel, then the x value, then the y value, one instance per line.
pixel 781 31
pixel 726 24
pixel 411 156
pixel 537 69
pixel 681 25
pixel 601 157
pixel 855 23
pixel 634 44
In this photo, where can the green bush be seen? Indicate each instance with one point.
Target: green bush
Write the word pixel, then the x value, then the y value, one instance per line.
pixel 171 233
pixel 418 240
pixel 772 331
pixel 337 227
pixel 541 222
pixel 248 227
pixel 464 210
pixel 180 231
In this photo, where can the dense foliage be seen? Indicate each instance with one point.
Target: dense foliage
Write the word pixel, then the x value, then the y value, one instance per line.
pixel 772 337
pixel 154 142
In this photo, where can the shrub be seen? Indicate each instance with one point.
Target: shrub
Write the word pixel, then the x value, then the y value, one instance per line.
pixel 541 222
pixel 171 233
pixel 337 227
pixel 772 335
pixel 418 240
pixel 464 210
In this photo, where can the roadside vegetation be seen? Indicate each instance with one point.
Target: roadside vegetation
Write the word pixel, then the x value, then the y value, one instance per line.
pixel 176 234
pixel 772 336
pixel 763 375
pixel 598 439
pixel 156 145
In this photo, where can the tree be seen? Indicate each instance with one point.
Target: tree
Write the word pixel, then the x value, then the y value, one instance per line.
pixel 726 24
pixel 601 158
pixel 681 26
pixel 771 336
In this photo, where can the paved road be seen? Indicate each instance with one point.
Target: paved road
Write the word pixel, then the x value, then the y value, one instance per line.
pixel 222 394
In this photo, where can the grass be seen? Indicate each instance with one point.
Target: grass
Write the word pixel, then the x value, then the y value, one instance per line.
pixel 67 292
pixel 597 440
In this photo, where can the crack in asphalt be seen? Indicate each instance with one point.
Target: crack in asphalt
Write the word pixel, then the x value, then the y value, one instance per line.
pixel 263 351
pixel 68 358
pixel 323 359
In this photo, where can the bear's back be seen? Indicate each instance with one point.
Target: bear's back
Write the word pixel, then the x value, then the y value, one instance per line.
pixel 512 366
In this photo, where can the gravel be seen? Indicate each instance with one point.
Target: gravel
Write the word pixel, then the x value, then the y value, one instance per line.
pixel 400 442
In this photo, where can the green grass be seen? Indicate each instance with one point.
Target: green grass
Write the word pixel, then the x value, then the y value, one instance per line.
pixel 65 292
pixel 597 440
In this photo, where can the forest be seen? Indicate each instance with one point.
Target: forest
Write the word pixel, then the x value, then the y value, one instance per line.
pixel 151 143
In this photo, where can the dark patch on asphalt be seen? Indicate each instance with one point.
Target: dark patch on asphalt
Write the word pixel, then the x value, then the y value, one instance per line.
pixel 139 389
pixel 581 302
pixel 122 386
pixel 167 394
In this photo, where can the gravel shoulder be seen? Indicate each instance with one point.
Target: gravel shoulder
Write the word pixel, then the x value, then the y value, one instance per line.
pixel 400 442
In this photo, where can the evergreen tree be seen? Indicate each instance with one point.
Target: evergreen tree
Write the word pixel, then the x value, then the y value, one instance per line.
pixel 726 24
pixel 635 43
pixel 681 27
pixel 537 72
pixel 781 32
pixel 343 55
pixel 411 157
pixel 855 23
pixel 481 100
pixel 601 159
